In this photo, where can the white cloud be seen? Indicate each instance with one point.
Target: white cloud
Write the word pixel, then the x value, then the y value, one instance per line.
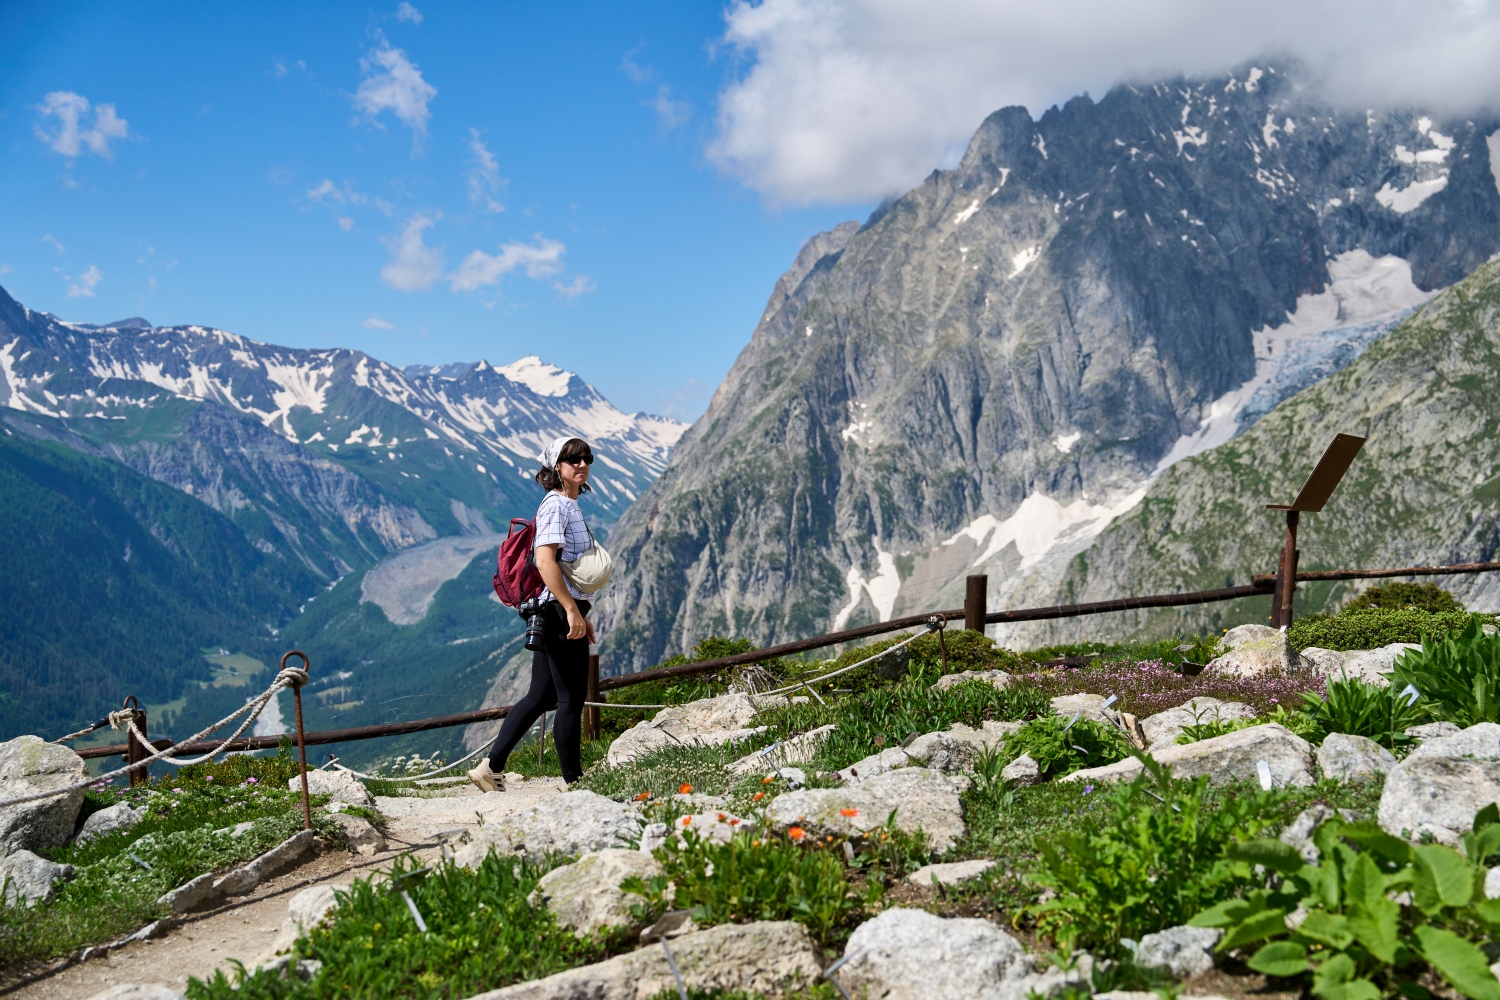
pixel 485 182
pixel 393 83
pixel 63 125
pixel 326 191
pixel 376 323
pixel 83 287
pixel 850 100
pixel 414 266
pixel 346 223
pixel 54 243
pixel 581 284
pixel 479 269
pixel 669 111
pixel 5 269
pixel 406 12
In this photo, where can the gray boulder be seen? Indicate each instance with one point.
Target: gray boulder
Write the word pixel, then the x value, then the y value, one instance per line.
pixel 29 764
pixel 766 957
pixel 291 851
pixel 997 678
pixel 1162 729
pixel 1024 771
pixel 1432 730
pixel 573 823
pixel 951 873
pixel 1437 795
pixel 339 786
pixel 1371 665
pixel 586 894
pixel 29 879
pixel 943 752
pixel 1083 705
pixel 797 750
pixel 304 911
pixel 920 798
pixel 138 991
pixel 706 722
pixel 1481 742
pixel 1252 652
pixel 1232 757
pixel 907 954
pixel 120 816
pixel 1184 952
pixel 1327 661
pixel 885 760
pixel 1492 883
pixel 1350 758
pixel 360 833
pixel 1299 833
pixel 953 750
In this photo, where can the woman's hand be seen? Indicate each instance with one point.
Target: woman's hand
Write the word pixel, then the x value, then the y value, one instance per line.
pixel 578 626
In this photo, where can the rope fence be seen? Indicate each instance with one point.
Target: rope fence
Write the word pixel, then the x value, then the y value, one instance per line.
pixel 974 614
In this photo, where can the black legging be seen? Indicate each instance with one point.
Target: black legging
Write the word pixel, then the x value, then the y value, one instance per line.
pixel 559 679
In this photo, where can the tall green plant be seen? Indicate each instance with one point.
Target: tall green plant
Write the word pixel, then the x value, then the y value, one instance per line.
pixel 1458 676
pixel 1059 748
pixel 1358 937
pixel 1359 708
pixel 1149 858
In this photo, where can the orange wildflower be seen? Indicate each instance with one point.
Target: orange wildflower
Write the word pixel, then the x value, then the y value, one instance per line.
pixel 687 821
pixel 796 832
pixel 721 817
pixel 757 796
pixel 768 779
pixel 733 820
pixel 851 813
pixel 685 788
pixel 643 796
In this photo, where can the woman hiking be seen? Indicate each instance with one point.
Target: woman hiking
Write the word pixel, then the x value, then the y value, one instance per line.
pixel 559 669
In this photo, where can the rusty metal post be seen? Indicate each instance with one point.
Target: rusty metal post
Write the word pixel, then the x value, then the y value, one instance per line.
pixel 976 602
pixel 301 738
pixel 590 713
pixel 1287 573
pixel 135 750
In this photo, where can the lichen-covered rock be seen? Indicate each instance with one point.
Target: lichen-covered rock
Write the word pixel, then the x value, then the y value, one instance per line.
pixel 954 750
pixel 950 873
pixel 1184 952
pixel 340 786
pixel 1371 665
pixel 766 957
pixel 573 823
pixel 716 827
pixel 922 799
pixel 360 833
pixel 798 749
pixel 996 678
pixel 886 760
pixel 1023 772
pixel 1480 741
pixel 29 764
pixel 943 752
pixel 1437 795
pixel 1432 730
pixel 111 819
pixel 1351 758
pixel 1232 757
pixel 304 911
pixel 291 851
pixel 907 954
pixel 29 879
pixel 1083 705
pixel 706 722
pixel 586 894
pixel 1162 729
pixel 1253 650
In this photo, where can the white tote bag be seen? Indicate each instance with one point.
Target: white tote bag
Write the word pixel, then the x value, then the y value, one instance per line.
pixel 590 571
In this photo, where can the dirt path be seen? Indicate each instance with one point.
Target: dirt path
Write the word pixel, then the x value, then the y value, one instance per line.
pixel 244 929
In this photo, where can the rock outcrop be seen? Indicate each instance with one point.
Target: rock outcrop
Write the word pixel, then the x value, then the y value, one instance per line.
pixel 1437 790
pixel 574 823
pixel 921 799
pixel 28 764
pixel 1353 758
pixel 1234 756
pixel 586 894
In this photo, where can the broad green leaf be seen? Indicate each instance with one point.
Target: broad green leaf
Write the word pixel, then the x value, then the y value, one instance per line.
pixel 1489 912
pixel 1458 961
pixel 1369 836
pixel 1267 923
pixel 1336 979
pixel 1488 816
pixel 1278 857
pixel 1363 883
pixel 1225 914
pixel 1444 878
pixel 1327 928
pixel 1375 927
pixel 1280 958
pixel 1354 989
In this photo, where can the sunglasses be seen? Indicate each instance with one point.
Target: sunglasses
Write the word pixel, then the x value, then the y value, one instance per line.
pixel 580 460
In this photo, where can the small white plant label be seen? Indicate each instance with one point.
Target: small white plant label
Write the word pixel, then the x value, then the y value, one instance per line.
pixel 1264 770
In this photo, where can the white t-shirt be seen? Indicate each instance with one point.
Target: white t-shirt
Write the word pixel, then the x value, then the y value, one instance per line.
pixel 559 521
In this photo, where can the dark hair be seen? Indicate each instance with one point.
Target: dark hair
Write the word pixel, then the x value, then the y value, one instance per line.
pixel 575 448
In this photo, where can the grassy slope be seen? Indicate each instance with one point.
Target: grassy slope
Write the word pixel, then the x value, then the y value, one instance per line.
pixel 1425 488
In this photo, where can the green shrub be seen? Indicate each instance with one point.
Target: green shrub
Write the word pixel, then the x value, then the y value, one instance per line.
pixel 1358 708
pixel 1356 941
pixel 1149 860
pixel 1370 628
pixel 482 934
pixel 1457 677
pixel 1059 749
pixel 922 658
pixel 757 876
pixel 1215 727
pixel 1420 596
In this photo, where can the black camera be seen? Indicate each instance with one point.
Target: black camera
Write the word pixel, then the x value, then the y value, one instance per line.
pixel 532 613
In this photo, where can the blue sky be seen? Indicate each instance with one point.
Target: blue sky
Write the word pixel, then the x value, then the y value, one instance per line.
pixel 614 186
pixel 262 165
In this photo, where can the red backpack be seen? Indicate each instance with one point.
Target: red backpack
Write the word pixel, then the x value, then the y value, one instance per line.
pixel 516 576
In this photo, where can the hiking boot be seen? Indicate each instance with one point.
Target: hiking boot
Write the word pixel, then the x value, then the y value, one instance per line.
pixel 486 780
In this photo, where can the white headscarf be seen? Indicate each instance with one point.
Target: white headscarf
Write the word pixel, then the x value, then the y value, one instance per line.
pixel 553 451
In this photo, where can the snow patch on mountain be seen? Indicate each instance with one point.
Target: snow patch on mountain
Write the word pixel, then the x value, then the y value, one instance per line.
pixel 1039 525
pixel 1493 142
pixel 882 589
pixel 538 376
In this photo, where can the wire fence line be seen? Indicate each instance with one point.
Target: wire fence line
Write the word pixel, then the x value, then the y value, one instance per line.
pixel 1261 585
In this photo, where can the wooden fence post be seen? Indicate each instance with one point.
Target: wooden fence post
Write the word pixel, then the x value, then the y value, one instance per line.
pixel 1286 573
pixel 976 602
pixel 135 750
pixel 590 713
